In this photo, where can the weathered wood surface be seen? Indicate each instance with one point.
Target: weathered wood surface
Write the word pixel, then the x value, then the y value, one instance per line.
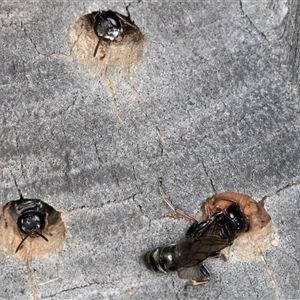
pixel 213 106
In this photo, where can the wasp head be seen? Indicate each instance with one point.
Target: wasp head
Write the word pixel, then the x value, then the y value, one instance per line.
pixel 31 223
pixel 240 221
pixel 107 25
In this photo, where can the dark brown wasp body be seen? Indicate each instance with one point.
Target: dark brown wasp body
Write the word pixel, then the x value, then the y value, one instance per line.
pixel 31 218
pixel 110 26
pixel 201 240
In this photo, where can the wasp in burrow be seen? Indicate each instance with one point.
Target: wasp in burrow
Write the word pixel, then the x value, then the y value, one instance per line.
pixel 201 240
pixel 32 220
pixel 110 26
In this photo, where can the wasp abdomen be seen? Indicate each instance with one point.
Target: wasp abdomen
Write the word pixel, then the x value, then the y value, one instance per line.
pixel 161 259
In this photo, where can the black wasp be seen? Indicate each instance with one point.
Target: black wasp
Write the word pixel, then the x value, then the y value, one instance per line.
pixel 109 26
pixel 201 240
pixel 32 220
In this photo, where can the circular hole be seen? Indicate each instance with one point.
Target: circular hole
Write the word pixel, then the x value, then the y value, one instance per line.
pixel 31 227
pixel 260 233
pixel 255 211
pixel 98 47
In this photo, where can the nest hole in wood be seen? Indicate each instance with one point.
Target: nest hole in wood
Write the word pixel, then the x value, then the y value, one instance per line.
pixel 11 235
pixel 260 232
pixel 122 52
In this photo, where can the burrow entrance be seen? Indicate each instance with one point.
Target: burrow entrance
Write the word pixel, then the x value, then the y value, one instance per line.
pixel 31 211
pixel 120 53
pixel 260 235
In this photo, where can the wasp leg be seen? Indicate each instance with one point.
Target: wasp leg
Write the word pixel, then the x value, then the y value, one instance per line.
pixel 96 49
pixel 181 213
pixel 126 20
pixel 47 224
pixel 208 211
pixel 204 271
pixel 219 255
pixel 223 257
pixel 100 41
pixel 120 36
pixel 196 282
pixel 176 211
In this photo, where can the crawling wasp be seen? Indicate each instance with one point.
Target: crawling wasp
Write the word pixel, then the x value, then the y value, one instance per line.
pixel 202 239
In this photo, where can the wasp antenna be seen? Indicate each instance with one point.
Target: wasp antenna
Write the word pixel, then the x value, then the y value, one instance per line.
pixel 21 196
pixel 127 9
pixel 22 242
pixel 19 191
pixel 39 234
pixel 164 195
pixel 96 49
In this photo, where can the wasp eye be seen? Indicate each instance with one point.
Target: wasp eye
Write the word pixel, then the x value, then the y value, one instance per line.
pixel 114 22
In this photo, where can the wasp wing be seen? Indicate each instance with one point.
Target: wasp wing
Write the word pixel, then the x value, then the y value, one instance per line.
pixel 198 229
pixel 188 273
pixel 194 249
pixel 198 271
